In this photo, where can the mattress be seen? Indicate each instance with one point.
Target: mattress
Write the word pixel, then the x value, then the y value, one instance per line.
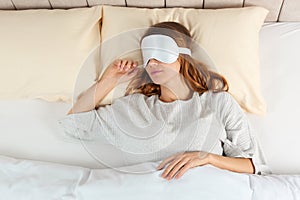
pixel 29 128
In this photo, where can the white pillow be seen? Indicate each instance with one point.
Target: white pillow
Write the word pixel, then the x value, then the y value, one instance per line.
pixel 278 130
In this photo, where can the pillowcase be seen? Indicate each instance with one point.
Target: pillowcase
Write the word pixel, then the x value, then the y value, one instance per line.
pixel 43 50
pixel 230 37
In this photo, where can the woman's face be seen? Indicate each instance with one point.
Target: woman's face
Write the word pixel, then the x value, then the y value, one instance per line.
pixel 161 73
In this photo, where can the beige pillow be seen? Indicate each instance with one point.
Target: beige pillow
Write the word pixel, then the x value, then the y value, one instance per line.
pixel 43 50
pixel 230 37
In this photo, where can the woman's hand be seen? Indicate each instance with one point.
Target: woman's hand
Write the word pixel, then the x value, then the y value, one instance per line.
pixel 121 70
pixel 182 162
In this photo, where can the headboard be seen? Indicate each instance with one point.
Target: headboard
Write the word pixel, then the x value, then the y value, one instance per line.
pixel 280 10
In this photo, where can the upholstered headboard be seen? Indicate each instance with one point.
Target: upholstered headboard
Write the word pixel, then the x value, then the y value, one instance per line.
pixel 280 10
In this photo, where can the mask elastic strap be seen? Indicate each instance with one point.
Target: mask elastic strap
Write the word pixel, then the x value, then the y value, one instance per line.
pixel 184 50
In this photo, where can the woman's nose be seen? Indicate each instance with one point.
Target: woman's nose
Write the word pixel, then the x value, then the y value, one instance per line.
pixel 153 61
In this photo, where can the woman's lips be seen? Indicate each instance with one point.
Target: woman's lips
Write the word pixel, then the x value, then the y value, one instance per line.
pixel 156 72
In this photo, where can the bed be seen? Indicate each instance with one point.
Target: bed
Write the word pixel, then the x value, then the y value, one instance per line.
pixel 38 161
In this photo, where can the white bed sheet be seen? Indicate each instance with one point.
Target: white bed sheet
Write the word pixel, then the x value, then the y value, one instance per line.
pixel 25 179
pixel 29 129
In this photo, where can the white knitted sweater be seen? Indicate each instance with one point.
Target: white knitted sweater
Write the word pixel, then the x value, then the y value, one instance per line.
pixel 137 128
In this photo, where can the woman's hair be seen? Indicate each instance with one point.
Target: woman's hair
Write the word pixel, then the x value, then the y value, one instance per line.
pixel 196 74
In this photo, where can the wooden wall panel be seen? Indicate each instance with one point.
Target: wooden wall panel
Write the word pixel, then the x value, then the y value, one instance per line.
pixel 272 5
pixel 6 5
pixel 290 11
pixel 107 2
pixel 21 4
pixel 187 4
pixel 68 3
pixel 280 10
pixel 223 3
pixel 146 3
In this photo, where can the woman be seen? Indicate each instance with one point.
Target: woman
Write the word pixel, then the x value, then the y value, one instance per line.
pixel 173 85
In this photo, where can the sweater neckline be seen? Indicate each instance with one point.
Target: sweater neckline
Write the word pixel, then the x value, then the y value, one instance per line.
pixel 177 100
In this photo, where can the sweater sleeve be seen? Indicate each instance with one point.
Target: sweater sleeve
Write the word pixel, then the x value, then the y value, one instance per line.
pixel 240 139
pixel 101 123
pixel 83 126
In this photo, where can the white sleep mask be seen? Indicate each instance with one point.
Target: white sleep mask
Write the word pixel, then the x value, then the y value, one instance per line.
pixel 162 48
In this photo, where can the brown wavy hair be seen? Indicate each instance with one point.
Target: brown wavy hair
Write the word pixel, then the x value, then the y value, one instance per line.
pixel 195 73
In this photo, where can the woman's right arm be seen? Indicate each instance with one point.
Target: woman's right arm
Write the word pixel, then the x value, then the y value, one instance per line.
pixel 118 72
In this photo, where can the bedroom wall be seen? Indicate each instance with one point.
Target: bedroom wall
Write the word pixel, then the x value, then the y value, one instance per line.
pixel 280 10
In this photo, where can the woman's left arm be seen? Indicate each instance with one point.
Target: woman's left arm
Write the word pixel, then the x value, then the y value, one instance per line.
pixel 239 146
pixel 241 165
pixel 178 164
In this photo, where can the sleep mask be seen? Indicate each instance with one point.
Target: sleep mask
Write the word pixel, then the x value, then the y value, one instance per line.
pixel 162 48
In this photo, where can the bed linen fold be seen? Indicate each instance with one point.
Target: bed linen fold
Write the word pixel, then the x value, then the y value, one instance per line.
pixel 29 179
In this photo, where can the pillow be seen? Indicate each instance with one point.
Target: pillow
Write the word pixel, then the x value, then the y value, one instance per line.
pixel 230 37
pixel 43 50
pixel 280 71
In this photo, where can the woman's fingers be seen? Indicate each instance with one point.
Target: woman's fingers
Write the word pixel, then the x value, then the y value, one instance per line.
pixel 183 170
pixel 117 63
pixel 126 65
pixel 181 162
pixel 118 68
pixel 171 166
pixel 124 62
pixel 166 161
pixel 176 168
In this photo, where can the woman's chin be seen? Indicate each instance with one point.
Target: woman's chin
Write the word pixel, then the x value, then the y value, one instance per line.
pixel 158 81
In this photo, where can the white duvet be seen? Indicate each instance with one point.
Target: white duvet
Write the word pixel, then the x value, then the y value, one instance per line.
pixel 25 179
